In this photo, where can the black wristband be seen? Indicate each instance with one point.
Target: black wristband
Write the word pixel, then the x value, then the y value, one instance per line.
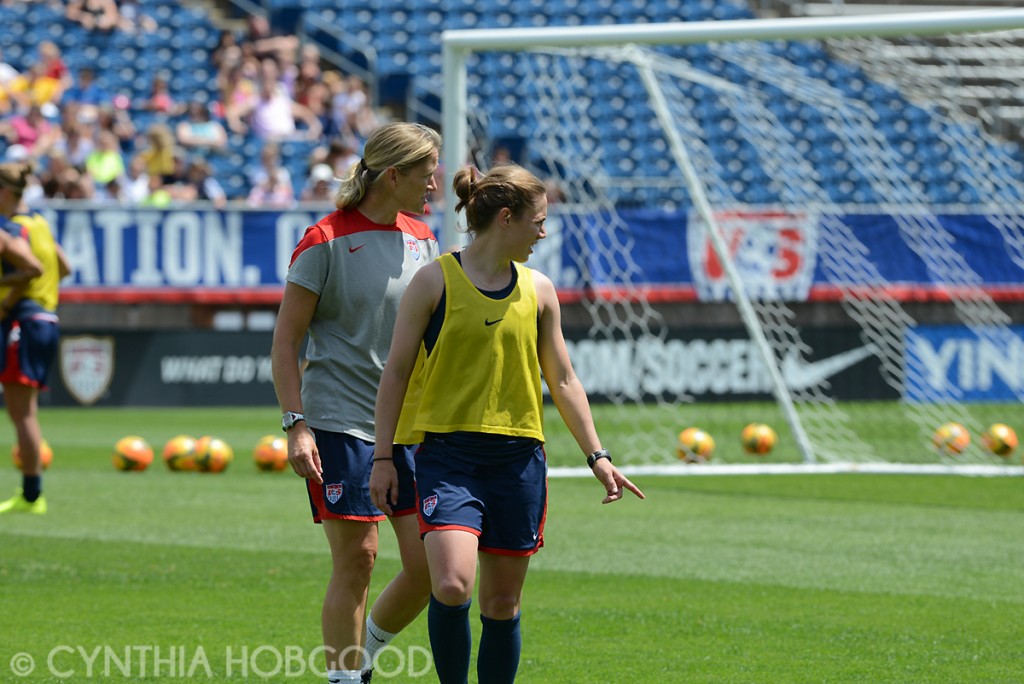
pixel 597 456
pixel 383 458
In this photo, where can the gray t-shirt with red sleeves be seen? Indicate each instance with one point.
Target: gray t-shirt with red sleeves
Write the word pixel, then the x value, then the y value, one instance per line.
pixel 360 270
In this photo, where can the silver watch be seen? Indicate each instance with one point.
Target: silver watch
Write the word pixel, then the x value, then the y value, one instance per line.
pixel 289 419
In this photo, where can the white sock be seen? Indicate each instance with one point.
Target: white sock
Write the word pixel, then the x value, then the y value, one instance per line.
pixel 343 677
pixel 376 639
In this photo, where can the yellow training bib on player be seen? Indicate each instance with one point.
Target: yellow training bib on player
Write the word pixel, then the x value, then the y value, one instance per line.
pixel 483 374
pixel 43 290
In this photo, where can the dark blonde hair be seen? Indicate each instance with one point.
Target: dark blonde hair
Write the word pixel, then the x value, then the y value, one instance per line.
pixel 505 186
pixel 14 176
pixel 400 144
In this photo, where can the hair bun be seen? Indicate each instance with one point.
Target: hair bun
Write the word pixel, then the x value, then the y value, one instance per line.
pixel 14 175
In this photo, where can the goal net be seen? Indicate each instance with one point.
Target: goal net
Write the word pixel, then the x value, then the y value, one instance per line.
pixel 814 224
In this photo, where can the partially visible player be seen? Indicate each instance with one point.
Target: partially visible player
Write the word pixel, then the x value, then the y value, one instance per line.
pixel 489 328
pixel 32 265
pixel 346 278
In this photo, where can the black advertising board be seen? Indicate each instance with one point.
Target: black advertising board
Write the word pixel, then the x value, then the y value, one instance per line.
pixel 213 368
pixel 162 368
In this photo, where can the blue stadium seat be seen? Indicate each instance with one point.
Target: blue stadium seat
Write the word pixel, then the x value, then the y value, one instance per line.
pixel 235 185
pixel 407 35
pixel 729 11
pixel 189 18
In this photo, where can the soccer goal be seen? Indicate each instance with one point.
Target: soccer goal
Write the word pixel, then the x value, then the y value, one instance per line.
pixel 822 212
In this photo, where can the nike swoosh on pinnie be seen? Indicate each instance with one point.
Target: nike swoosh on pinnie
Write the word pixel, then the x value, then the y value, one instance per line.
pixel 355 249
pixel 487 322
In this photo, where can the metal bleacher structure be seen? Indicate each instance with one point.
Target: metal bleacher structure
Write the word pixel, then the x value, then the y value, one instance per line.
pixel 405 58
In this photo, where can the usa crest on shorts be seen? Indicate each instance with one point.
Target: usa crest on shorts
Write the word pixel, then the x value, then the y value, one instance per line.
pixel 334 491
pixel 429 504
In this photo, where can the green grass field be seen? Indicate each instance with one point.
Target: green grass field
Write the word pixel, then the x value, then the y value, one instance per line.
pixel 851 578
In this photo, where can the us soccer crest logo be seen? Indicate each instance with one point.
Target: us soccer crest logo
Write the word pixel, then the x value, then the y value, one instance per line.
pixel 773 251
pixel 429 504
pixel 414 249
pixel 334 491
pixel 87 366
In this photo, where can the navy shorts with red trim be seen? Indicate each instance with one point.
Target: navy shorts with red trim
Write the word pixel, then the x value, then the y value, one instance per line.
pixel 30 349
pixel 345 492
pixel 492 486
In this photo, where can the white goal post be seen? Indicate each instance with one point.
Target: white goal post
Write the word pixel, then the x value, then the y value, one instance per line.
pixel 820 431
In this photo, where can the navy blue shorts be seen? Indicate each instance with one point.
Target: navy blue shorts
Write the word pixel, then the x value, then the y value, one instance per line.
pixel 345 493
pixel 30 349
pixel 494 488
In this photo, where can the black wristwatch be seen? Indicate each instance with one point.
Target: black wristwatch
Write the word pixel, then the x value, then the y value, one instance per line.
pixel 289 419
pixel 597 456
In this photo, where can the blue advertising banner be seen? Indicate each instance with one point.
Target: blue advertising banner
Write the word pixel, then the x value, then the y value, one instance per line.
pixel 981 364
pixel 205 248
pixel 192 252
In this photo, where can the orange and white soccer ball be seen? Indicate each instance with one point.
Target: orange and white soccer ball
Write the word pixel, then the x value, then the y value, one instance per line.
pixel 758 439
pixel 132 453
pixel 271 453
pixel 951 439
pixel 180 453
pixel 1000 439
pixel 695 445
pixel 45 455
pixel 213 455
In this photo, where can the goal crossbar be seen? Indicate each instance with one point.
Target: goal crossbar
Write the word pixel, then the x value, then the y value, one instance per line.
pixel 457 43
pixel 909 23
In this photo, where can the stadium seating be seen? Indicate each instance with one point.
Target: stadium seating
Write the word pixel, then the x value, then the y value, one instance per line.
pixel 406 34
pixel 621 106
pixel 126 63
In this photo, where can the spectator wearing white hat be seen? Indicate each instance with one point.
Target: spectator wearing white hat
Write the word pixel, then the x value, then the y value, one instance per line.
pixel 319 186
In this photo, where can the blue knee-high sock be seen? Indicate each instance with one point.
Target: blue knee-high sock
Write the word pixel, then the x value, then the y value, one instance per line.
pixel 500 645
pixel 450 640
pixel 31 487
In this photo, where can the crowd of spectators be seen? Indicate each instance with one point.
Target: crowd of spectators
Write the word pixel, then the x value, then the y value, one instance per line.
pixel 88 143
pixel 109 15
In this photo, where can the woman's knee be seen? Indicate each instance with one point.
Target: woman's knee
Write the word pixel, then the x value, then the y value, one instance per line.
pixel 501 606
pixel 354 552
pixel 452 590
pixel 360 560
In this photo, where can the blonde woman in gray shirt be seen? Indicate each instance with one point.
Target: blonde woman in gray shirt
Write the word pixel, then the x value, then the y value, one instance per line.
pixel 344 284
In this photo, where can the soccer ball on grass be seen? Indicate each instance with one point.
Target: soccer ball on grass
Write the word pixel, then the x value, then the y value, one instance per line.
pixel 758 439
pixel 1000 439
pixel 951 439
pixel 180 453
pixel 45 455
pixel 695 445
pixel 213 455
pixel 271 453
pixel 132 453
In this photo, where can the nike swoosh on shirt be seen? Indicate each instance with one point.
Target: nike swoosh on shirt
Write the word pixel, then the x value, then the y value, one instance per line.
pixel 355 249
pixel 800 374
pixel 487 322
